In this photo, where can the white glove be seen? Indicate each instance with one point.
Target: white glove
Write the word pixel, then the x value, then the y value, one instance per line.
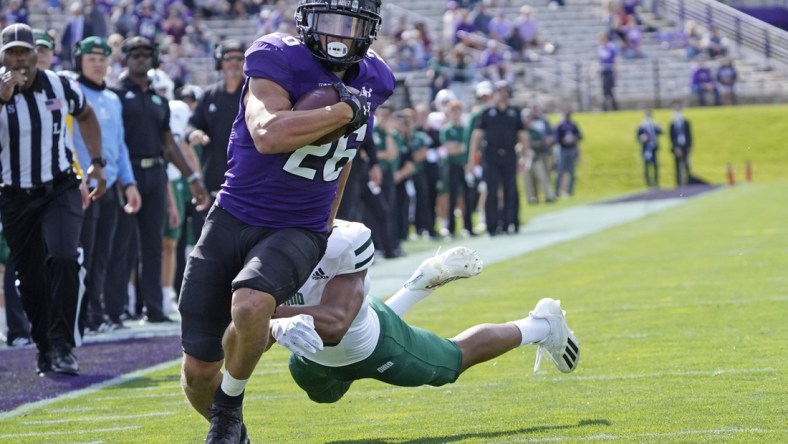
pixel 297 334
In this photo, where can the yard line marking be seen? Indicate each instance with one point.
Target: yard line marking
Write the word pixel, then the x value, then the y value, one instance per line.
pixel 663 374
pixel 179 393
pixel 70 432
pixel 632 307
pixel 97 418
pixel 92 389
pixel 610 437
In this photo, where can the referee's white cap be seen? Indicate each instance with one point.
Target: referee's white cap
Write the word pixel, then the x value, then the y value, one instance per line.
pixel 17 34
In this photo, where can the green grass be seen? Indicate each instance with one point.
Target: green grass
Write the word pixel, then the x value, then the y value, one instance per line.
pixel 681 316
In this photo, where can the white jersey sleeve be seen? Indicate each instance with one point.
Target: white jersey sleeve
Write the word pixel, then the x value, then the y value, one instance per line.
pixel 349 250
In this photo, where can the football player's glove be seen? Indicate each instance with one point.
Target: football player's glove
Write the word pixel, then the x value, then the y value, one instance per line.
pixel 297 334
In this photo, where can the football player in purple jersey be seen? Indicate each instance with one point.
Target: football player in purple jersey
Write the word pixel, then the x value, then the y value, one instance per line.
pixel 269 225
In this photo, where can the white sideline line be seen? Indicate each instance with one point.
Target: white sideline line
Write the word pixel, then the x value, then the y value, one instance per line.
pixel 97 418
pixel 608 437
pixel 69 433
pixel 707 373
pixel 87 390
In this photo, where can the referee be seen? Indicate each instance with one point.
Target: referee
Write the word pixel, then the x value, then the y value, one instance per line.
pixel 40 203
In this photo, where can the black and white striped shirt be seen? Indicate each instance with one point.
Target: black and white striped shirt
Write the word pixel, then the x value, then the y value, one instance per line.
pixel 35 145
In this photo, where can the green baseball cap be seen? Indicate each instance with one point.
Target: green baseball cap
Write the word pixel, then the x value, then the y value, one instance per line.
pixel 42 38
pixel 95 45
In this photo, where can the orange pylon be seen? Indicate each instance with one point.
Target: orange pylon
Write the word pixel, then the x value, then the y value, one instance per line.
pixel 731 178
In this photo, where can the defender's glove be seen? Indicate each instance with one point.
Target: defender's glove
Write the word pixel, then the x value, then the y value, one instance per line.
pixel 297 334
pixel 357 103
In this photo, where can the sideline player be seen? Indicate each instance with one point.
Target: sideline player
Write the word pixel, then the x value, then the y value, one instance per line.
pixel 269 225
pixel 366 338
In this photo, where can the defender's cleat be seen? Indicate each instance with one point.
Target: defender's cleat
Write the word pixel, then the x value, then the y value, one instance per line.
pixel 560 345
pixel 227 426
pixel 453 264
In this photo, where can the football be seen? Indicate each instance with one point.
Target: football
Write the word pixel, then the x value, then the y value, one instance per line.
pixel 321 97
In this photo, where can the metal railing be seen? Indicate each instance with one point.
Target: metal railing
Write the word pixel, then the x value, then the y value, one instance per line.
pixel 769 41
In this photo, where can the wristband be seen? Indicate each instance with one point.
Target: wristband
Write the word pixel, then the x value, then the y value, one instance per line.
pixel 193 177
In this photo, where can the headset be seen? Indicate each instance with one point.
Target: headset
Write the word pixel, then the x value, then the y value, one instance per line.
pixel 137 42
pixel 90 45
pixel 225 46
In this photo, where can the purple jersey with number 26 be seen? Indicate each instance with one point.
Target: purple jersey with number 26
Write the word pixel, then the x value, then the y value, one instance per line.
pixel 294 189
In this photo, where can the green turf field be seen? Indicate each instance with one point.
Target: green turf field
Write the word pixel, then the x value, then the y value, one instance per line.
pixel 681 318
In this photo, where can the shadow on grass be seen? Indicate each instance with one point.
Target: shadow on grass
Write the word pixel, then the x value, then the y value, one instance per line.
pixel 481 435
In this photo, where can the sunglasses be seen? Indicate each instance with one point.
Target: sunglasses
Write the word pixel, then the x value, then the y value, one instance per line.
pixel 141 55
pixel 233 58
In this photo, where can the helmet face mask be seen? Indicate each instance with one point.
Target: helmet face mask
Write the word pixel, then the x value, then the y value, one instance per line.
pixel 338 32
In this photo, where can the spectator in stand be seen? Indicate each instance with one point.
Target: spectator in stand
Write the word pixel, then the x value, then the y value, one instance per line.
pixel 439 73
pixel 648 135
pixel 539 156
pixel 76 29
pixel 148 23
pixel 630 8
pixel 199 38
pixel 173 64
pixel 569 136
pixel 449 21
pixel 528 28
pixel 617 22
pixel 281 14
pixel 495 63
pixel 424 36
pixel 716 45
pixel 265 24
pixel 726 81
pixel 702 82
pixel 608 70
pixel 175 24
pixel 634 36
pixel 693 40
pixel 122 19
pixel 15 12
pixel 461 64
pixel 96 16
pixel 500 27
pixel 464 25
pixel 481 18
pixel 681 144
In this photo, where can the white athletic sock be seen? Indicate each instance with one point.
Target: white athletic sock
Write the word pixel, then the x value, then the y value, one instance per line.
pixel 232 386
pixel 533 330
pixel 405 299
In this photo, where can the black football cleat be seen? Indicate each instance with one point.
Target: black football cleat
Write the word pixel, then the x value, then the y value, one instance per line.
pixel 227 426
